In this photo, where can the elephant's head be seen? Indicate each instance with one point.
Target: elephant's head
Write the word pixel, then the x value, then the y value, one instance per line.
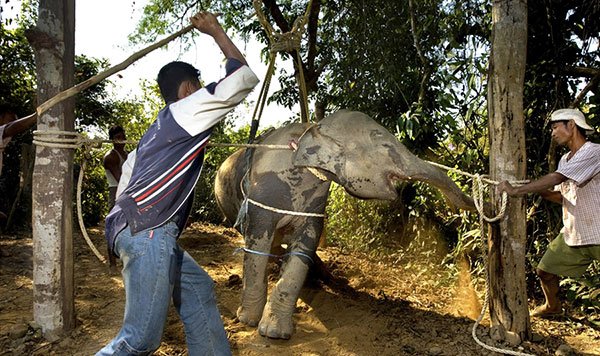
pixel 367 160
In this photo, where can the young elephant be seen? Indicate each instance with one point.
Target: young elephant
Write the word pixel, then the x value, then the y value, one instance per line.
pixel 346 147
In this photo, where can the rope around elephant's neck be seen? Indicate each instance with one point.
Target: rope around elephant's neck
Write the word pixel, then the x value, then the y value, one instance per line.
pixel 475 176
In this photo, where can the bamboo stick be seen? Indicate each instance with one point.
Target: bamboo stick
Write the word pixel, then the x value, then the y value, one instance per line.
pixel 65 94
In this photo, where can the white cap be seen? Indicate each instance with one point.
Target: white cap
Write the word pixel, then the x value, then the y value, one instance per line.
pixel 571 114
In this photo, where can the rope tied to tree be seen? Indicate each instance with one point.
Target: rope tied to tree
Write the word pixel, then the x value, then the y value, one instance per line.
pixel 287 41
pixel 290 42
pixel 72 139
pixel 57 139
pixel 75 140
pixel 486 299
pixel 478 192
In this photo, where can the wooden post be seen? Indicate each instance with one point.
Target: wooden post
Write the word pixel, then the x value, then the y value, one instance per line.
pixel 508 295
pixel 53 288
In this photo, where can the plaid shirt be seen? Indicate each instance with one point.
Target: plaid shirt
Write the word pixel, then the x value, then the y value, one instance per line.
pixel 581 196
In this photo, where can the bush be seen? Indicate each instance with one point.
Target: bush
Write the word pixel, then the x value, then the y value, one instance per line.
pixel 94 191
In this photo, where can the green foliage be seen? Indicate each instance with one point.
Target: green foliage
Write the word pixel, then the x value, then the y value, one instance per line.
pixel 94 191
pixel 17 91
pixel 92 105
pixel 365 226
pixel 17 71
pixel 586 292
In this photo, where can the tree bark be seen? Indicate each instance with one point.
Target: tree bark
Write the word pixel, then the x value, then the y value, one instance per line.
pixel 508 294
pixel 53 287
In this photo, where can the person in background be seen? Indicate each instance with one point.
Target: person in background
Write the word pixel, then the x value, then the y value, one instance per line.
pixel 149 214
pixel 10 126
pixel 577 180
pixel 113 160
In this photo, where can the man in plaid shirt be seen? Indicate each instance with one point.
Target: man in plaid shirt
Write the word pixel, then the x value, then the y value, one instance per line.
pixel 577 185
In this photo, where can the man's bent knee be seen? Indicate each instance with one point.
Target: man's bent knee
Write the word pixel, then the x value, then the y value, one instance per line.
pixel 545 276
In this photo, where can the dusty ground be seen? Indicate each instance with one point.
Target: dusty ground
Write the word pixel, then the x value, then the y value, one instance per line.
pixel 384 309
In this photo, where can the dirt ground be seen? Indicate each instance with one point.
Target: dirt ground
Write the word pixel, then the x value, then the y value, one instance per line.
pixel 373 308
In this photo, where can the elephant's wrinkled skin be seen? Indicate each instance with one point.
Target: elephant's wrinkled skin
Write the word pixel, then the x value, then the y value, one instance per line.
pixel 347 147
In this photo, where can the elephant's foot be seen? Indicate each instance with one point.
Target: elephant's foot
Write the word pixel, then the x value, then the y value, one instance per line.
pixel 275 325
pixel 249 316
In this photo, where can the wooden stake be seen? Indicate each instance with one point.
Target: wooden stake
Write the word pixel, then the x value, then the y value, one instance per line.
pixel 65 94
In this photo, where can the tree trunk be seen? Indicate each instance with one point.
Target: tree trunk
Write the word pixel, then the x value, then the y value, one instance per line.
pixel 53 288
pixel 508 294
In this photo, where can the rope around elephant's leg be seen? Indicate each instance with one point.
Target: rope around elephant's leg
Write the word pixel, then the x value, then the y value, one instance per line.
pixel 279 257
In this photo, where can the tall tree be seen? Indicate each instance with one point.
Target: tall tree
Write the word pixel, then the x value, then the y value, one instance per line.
pixel 508 293
pixel 53 40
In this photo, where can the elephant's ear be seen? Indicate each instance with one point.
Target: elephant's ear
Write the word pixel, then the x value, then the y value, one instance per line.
pixel 316 149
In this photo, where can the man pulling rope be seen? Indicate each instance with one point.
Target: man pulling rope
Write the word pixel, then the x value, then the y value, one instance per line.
pixel 577 180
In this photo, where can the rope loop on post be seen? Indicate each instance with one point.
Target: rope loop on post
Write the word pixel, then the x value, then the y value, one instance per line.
pixel 73 140
pixel 479 203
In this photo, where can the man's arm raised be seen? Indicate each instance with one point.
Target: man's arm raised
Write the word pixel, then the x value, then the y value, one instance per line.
pixel 206 22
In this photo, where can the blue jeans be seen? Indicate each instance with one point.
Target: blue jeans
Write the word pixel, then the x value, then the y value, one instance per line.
pixel 156 269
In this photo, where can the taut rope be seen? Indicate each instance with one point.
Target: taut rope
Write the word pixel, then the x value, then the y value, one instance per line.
pixel 478 200
pixel 74 140
pixel 284 42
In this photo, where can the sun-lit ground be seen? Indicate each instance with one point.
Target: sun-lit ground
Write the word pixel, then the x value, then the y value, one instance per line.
pixel 406 306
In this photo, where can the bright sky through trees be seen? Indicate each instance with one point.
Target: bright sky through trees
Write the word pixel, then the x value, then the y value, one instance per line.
pixel 101 31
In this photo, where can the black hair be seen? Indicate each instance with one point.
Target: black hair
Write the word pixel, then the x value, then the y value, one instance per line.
pixel 172 75
pixel 115 130
pixel 6 109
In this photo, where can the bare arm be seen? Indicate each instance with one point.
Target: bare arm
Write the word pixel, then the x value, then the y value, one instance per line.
pixel 540 186
pixel 207 23
pixel 552 196
pixel 17 126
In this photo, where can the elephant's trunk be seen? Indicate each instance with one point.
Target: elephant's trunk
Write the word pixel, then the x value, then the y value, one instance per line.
pixel 438 178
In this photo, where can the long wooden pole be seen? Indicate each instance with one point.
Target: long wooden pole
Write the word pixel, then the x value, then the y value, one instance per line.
pixel 65 94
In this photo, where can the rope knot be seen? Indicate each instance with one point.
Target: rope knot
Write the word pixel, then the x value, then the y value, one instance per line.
pixel 286 42
pixel 50 138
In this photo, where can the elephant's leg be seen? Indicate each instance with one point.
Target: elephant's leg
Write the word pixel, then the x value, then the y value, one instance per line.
pixel 254 293
pixel 276 321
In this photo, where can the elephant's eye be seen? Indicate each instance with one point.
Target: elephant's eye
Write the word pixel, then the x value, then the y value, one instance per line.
pixel 376 135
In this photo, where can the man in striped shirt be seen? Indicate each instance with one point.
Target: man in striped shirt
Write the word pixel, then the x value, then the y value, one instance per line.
pixel 577 180
pixel 151 212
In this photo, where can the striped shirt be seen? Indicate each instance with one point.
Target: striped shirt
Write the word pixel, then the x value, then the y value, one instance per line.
pixel 169 157
pixel 581 196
